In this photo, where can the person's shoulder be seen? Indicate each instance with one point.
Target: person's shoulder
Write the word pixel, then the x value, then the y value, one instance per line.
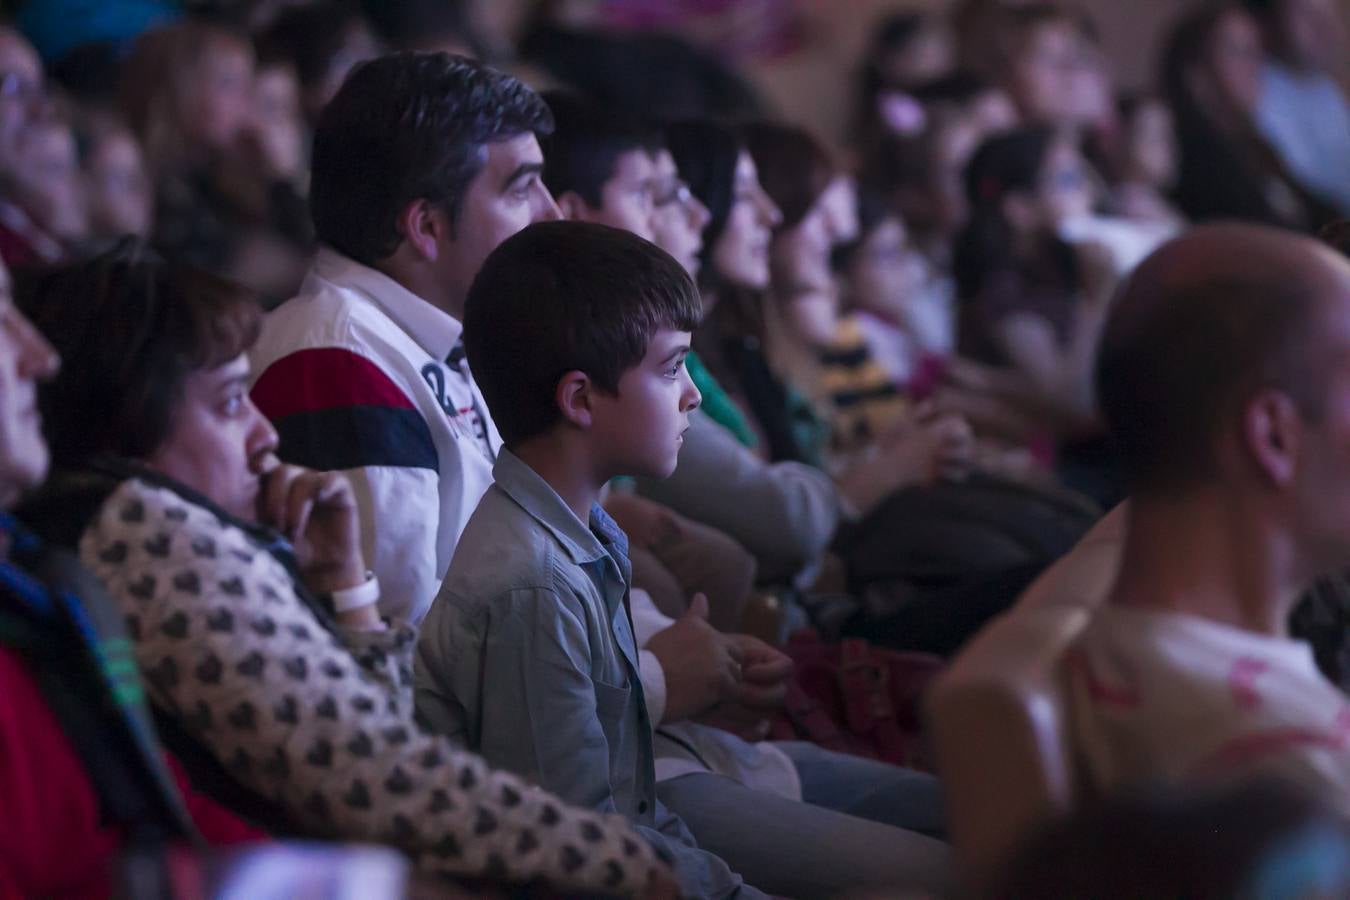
pixel 503 549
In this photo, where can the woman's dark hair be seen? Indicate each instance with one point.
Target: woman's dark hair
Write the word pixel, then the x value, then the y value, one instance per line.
pixel 586 144
pixel 706 152
pixel 130 328
pixel 794 167
pixel 406 127
pixel 1006 163
pixel 874 207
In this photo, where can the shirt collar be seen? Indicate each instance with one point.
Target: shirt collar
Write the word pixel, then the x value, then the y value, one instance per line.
pixel 584 543
pixel 435 330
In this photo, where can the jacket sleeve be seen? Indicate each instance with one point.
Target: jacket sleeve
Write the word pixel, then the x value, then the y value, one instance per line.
pixel 785 514
pixel 229 650
pixel 336 409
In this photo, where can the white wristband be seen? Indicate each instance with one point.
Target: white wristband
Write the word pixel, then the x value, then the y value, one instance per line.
pixel 366 593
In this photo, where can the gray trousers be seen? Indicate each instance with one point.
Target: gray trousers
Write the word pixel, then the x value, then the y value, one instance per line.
pixel 861 824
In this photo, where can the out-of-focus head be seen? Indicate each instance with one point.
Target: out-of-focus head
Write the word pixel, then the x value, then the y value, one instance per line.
pixel 187 91
pixel 158 373
pixel 1226 363
pixel 1035 178
pixel 324 42
pixel 720 171
pixel 678 217
pixel 44 178
pixel 1052 71
pixel 882 269
pixel 1306 34
pixel 433 156
pixel 1212 64
pixel 26 359
pixel 600 166
pixel 427 26
pixel 118 195
pixel 1150 142
pixel 21 88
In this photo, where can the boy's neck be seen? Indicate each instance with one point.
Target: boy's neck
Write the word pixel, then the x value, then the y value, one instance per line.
pixel 568 469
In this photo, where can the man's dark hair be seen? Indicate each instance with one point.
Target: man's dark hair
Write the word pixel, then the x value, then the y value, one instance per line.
pixel 405 127
pixel 586 144
pixel 1182 354
pixel 706 153
pixel 130 329
pixel 564 296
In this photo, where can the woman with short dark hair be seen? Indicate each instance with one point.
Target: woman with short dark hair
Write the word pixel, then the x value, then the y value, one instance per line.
pixel 244 589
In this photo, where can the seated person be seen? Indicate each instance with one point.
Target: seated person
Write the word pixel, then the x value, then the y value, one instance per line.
pixel 82 772
pixel 568 647
pixel 527 654
pixel 246 596
pixel 1222 377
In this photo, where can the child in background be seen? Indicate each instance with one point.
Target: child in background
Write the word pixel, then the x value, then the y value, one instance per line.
pixel 117 190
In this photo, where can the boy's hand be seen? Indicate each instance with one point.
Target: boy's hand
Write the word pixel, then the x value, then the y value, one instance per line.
pixel 765 672
pixel 702 666
pixel 316 511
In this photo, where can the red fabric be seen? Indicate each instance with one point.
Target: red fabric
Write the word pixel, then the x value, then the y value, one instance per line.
pixel 218 825
pixel 324 378
pixel 51 843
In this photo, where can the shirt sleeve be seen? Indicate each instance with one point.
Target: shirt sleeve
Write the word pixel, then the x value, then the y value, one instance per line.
pixel 785 514
pixel 229 650
pixel 336 410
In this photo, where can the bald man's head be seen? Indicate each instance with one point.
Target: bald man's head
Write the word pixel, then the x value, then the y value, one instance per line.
pixel 1204 323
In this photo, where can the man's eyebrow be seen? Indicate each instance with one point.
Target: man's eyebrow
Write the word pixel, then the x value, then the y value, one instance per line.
pixel 521 171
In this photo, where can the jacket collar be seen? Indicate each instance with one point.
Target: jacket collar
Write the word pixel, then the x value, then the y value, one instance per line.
pixel 583 543
pixel 434 330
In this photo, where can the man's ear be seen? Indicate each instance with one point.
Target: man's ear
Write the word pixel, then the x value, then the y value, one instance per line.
pixel 573 397
pixel 572 207
pixel 1272 430
pixel 423 225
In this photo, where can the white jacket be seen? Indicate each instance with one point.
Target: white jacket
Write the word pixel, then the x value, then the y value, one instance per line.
pixel 353 373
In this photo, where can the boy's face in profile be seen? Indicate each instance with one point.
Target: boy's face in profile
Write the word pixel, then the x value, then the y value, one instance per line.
pixel 639 431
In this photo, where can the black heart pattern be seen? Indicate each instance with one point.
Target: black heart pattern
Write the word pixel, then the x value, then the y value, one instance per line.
pixel 243 556
pixel 176 626
pixel 233 586
pixel 527 843
pixel 358 797
pixel 630 848
pixel 264 627
pixel 571 859
pixel 484 822
pixel 251 666
pixel 447 847
pixel 327 709
pixel 210 670
pixel 188 583
pixel 115 553
pixel 243 717
pixel 549 817
pixel 277 765
pixel 510 797
pixel 204 547
pixel 299 632
pixel 432 758
pixel 363 704
pixel 332 669
pixel 164 675
pixel 440 802
pixel 133 512
pixel 361 745
pixel 287 711
pixel 176 514
pixel 467 779
pixel 398 782
pixel 220 619
pixel 321 754
pixel 296 667
pixel 613 873
pixel 396 735
pixel 158 546
pixel 591 832
pixel 143 588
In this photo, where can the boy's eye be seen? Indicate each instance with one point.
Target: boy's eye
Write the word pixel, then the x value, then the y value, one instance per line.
pixel 233 404
pixel 674 370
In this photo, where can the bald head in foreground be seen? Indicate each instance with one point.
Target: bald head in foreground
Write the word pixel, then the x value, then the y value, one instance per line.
pixel 1224 376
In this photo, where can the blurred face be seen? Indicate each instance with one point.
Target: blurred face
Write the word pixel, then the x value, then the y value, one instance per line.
pixel 117 188
pixel 1235 59
pixel 992 112
pixel 1311 33
pixel 1043 76
pixel 219 439
pixel 741 255
pixel 1066 188
pixel 49 186
pixel 840 200
pixel 505 196
pixel 217 103
pixel 643 425
pixel 20 88
pixel 885 271
pixel 25 359
pixel 627 198
pixel 678 218
pixel 1152 148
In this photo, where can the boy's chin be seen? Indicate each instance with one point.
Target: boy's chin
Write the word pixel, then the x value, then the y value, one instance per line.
pixel 655 468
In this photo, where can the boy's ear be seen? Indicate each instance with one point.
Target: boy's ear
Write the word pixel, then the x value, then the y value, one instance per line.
pixel 573 398
pixel 572 207
pixel 422 225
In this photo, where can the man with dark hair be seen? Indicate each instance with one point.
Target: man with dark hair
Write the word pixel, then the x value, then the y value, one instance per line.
pixel 1303 110
pixel 1224 376
pixel 601 166
pixel 364 370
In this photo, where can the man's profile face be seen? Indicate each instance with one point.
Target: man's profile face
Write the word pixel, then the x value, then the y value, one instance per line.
pixel 505 196
pixel 627 198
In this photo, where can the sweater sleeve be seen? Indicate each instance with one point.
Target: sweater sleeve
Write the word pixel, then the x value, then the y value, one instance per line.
pixel 230 651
